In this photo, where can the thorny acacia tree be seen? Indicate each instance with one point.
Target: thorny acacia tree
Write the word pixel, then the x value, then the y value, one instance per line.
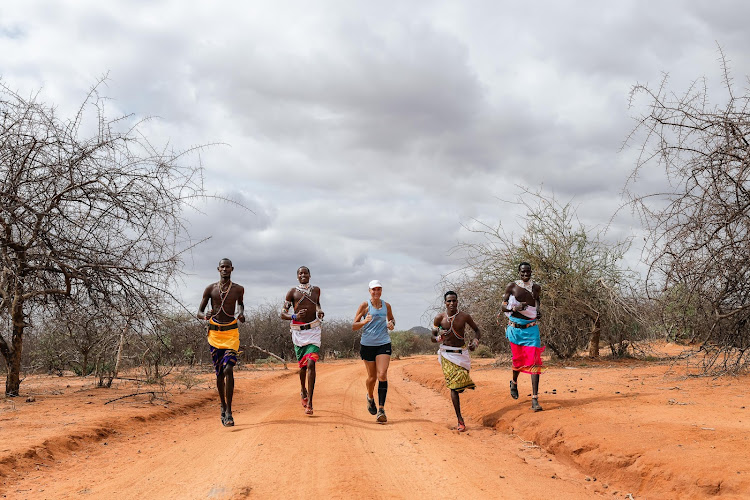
pixel 84 333
pixel 698 228
pixel 586 294
pixel 99 211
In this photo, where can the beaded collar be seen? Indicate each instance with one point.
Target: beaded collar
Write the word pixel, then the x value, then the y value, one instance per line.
pixel 526 286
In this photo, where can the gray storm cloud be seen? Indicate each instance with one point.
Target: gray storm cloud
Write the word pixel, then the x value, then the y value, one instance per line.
pixel 362 138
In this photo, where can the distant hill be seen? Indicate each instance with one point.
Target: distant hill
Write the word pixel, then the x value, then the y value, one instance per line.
pixel 420 330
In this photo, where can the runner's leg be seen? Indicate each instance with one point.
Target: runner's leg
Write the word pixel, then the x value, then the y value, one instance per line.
pixel 456 404
pixel 302 379
pixel 514 385
pixel 371 378
pixel 310 382
pixel 382 361
pixel 534 384
pixel 222 390
pixel 535 393
pixel 229 374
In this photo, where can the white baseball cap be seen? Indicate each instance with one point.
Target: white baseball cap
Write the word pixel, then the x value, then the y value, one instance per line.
pixel 375 284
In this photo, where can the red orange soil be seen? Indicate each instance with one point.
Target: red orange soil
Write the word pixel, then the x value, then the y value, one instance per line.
pixel 610 429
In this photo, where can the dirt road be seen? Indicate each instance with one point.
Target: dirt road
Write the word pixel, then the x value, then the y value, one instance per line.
pixel 276 451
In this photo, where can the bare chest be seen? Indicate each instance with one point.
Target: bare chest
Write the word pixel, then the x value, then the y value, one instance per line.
pixel 221 295
pixel 523 294
pixel 305 298
pixel 453 330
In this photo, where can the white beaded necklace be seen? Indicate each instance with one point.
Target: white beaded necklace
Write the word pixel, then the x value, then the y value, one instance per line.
pixel 526 286
pixel 223 294
pixel 451 318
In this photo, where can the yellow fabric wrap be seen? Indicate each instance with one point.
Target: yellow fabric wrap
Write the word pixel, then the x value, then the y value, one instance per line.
pixel 456 377
pixel 228 339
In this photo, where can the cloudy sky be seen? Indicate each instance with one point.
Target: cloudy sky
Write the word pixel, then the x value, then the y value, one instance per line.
pixel 364 136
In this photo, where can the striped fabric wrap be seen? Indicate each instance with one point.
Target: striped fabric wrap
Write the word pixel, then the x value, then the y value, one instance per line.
pixel 526 346
pixel 305 352
pixel 222 358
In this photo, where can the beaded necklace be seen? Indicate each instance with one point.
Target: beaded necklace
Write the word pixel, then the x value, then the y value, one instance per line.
pixel 223 294
pixel 451 318
pixel 526 286
pixel 306 291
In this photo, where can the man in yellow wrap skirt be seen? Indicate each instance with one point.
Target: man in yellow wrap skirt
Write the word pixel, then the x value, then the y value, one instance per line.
pixel 449 328
pixel 223 335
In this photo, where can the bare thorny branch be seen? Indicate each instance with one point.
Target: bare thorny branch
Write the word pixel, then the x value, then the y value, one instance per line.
pixel 699 230
pixel 95 213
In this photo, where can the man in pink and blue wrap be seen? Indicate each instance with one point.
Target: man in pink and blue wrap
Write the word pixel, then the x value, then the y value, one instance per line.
pixel 521 305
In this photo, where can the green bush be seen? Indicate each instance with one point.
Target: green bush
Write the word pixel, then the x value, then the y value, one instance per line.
pixel 483 351
pixel 81 372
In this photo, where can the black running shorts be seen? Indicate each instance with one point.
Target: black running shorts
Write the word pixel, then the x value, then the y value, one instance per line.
pixel 368 352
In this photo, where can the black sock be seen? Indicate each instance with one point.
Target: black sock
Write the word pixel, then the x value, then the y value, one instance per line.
pixel 382 391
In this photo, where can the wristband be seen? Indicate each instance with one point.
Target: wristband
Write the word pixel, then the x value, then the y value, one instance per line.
pixel 294 316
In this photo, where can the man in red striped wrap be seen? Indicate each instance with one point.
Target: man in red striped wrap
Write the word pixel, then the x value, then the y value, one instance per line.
pixel 305 326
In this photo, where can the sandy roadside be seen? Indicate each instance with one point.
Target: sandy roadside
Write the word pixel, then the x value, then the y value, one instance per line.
pixel 608 430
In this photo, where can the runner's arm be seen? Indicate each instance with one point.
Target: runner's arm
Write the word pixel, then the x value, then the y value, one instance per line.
pixel 504 306
pixel 506 296
pixel 435 337
pixel 360 319
pixel 241 305
pixel 204 302
pixel 318 307
pixel 288 302
pixel 477 334
pixel 391 320
pixel 538 301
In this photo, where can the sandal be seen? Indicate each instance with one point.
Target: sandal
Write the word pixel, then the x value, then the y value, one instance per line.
pixel 228 421
pixel 303 397
pixel 461 427
pixel 223 415
pixel 308 410
pixel 513 390
pixel 535 404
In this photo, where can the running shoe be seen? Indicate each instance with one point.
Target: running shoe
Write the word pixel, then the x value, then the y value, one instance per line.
pixel 381 416
pixel 371 405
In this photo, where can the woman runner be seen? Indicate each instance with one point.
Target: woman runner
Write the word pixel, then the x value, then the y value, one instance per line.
pixel 375 317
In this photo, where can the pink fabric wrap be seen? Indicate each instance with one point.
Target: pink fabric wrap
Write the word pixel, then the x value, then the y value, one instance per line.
pixel 527 359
